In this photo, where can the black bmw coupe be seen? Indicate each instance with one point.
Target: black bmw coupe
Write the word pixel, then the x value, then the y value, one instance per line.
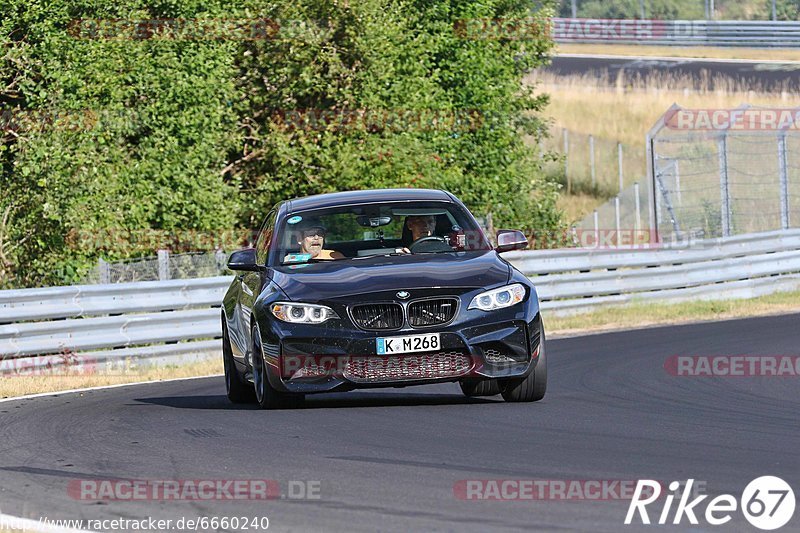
pixel 379 288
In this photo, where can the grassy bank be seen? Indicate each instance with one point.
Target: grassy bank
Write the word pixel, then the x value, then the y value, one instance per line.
pixel 32 384
pixel 649 314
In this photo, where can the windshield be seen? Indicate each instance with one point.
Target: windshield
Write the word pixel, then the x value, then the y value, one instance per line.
pixel 353 232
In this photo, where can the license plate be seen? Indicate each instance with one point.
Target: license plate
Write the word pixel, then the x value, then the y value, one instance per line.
pixel 408 344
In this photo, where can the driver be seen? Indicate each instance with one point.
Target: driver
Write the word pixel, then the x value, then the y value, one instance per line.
pixel 312 245
pixel 420 226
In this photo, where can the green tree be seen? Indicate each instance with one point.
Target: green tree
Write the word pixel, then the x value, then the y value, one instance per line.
pixel 108 136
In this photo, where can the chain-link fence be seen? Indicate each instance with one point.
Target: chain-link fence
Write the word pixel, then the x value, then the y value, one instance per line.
pixel 164 266
pixel 718 173
pixel 591 164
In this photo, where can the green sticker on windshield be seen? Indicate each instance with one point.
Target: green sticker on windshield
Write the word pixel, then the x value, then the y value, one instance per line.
pixel 297 258
pixel 294 220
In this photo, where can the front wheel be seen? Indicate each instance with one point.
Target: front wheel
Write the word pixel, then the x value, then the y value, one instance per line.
pixel 266 396
pixel 531 388
pixel 238 391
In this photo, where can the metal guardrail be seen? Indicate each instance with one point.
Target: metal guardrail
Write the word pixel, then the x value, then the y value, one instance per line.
pixel 134 320
pixel 678 32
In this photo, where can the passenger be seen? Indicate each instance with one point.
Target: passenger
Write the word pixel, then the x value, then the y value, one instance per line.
pixel 312 245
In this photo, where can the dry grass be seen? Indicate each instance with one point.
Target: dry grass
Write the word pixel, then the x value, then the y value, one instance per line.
pixel 626 111
pixel 642 315
pixel 27 384
pixel 576 206
pixel 679 51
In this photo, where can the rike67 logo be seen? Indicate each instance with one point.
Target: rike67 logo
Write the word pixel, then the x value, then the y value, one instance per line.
pixel 767 503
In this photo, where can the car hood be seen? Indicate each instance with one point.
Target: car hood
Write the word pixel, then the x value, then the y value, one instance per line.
pixel 324 281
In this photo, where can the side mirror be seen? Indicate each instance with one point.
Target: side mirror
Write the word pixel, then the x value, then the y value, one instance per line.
pixel 244 260
pixel 510 239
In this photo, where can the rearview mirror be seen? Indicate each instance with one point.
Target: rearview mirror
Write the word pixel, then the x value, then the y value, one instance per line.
pixel 373 222
pixel 510 239
pixel 243 260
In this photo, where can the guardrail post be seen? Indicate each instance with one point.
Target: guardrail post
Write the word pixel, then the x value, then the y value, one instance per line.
pixel 163 265
pixel 724 188
pixel 784 181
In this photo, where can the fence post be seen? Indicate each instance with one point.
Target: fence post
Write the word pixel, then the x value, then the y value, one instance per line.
pixel 650 157
pixel 566 160
pixel 619 162
pixel 724 188
pixel 677 168
pixel 616 214
pixel 596 229
pixel 163 265
pixel 591 159
pixel 638 220
pixel 222 260
pixel 784 181
pixel 105 271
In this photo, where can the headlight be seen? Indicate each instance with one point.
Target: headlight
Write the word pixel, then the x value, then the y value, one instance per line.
pixel 498 298
pixel 302 313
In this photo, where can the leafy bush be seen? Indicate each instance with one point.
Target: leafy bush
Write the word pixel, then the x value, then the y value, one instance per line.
pixel 174 135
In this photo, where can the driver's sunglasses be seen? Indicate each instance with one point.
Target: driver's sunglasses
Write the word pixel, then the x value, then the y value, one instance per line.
pixel 313 233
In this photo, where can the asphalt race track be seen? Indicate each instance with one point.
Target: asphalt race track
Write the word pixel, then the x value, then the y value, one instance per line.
pixel 768 76
pixel 388 460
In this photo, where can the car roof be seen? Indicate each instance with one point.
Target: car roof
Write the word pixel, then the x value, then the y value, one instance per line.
pixel 320 201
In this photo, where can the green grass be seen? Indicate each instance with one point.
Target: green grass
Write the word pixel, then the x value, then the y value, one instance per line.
pixel 649 314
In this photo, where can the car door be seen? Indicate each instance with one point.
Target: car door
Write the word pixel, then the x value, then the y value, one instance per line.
pixel 251 282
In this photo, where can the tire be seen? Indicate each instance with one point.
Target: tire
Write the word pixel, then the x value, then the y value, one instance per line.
pixel 480 387
pixel 238 391
pixel 266 396
pixel 533 387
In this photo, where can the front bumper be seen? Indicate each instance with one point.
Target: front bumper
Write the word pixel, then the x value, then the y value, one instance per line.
pixel 493 345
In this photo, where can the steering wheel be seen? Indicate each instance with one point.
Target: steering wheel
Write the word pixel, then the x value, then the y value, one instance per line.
pixel 414 247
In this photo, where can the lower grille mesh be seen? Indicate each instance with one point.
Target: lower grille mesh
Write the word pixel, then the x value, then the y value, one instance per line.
pixel 407 367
